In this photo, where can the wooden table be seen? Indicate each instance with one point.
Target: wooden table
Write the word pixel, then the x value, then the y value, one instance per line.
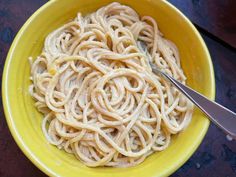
pixel 216 22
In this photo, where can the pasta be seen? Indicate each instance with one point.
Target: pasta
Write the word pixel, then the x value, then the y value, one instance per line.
pixel 95 87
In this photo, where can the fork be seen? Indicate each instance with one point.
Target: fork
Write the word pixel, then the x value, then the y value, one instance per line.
pixel 224 118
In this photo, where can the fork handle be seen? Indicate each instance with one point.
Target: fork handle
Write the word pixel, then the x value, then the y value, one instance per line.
pixel 218 114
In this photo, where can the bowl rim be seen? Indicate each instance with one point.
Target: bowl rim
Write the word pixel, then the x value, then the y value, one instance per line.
pixel 10 120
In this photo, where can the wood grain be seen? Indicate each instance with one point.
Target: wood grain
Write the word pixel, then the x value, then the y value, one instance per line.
pixel 215 16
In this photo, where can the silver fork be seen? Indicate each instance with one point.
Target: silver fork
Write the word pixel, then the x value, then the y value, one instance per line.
pixel 224 118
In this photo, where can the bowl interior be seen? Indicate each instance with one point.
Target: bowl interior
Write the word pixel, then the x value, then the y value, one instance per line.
pixel 25 122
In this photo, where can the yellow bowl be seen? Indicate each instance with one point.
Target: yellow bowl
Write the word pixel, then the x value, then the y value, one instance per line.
pixel 25 122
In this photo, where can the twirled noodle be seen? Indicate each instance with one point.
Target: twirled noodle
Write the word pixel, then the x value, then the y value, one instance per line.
pixel 100 99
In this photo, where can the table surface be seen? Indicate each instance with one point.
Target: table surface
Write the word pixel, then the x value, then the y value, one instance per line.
pixel 216 156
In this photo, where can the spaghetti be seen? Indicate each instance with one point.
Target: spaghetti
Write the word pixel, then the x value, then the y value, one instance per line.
pixel 100 99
